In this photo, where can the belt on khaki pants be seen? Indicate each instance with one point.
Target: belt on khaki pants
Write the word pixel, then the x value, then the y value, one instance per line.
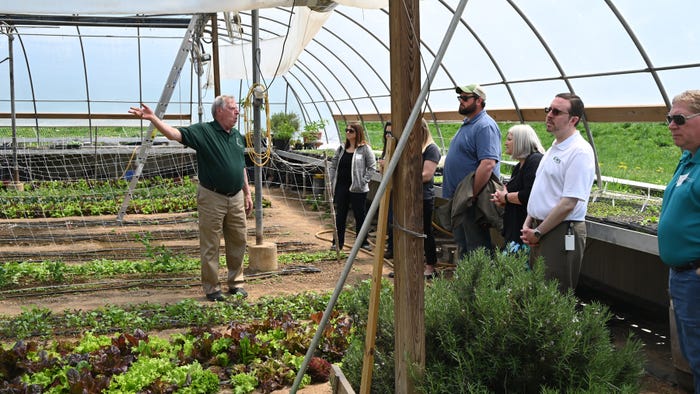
pixel 213 189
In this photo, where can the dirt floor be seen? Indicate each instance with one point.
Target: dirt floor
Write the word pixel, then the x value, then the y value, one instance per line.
pixel 287 223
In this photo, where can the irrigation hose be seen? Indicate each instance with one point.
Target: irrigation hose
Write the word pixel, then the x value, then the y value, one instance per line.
pixel 151 283
pixel 442 229
pixel 320 236
pixel 95 286
pixel 259 159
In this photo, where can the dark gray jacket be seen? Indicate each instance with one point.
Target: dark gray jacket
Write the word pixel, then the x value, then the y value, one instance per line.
pixel 487 213
pixel 364 165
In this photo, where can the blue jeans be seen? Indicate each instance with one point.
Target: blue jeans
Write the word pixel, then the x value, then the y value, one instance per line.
pixel 685 293
pixel 469 235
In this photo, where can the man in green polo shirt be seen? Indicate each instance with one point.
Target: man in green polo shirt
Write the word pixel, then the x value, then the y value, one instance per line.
pixel 223 196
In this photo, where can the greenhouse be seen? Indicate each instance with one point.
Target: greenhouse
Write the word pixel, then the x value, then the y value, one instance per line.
pixel 93 194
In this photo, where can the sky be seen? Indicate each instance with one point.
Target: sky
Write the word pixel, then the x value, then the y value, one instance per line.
pixel 345 70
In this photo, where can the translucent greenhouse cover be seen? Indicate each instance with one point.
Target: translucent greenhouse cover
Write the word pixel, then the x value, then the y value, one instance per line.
pixel 335 62
pixel 160 7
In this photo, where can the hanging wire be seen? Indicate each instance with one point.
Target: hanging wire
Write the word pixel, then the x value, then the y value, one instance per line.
pixel 284 46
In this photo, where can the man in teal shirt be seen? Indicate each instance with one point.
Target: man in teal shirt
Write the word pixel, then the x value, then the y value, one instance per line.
pixel 678 235
pixel 223 196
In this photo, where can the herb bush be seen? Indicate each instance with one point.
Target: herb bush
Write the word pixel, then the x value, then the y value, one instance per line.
pixel 498 327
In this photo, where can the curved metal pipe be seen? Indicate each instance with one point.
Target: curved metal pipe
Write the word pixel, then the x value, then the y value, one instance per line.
pixel 566 80
pixel 312 102
pixel 359 80
pixel 352 48
pixel 303 86
pixel 422 43
pixel 483 46
pixel 352 99
pixel 87 86
pixel 329 92
pixel 642 52
pixel 31 85
pixel 138 51
pixel 304 112
pixel 301 103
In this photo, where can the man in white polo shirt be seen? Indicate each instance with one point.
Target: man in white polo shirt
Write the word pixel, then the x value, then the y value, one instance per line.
pixel 555 226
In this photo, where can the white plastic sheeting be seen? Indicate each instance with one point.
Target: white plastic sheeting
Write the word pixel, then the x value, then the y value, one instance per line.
pixel 160 7
pixel 278 54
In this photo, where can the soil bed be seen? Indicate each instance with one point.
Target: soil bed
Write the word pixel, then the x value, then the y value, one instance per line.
pixel 288 223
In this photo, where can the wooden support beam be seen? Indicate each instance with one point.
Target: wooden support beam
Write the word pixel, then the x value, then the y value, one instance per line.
pixel 375 291
pixel 647 113
pixel 651 113
pixel 80 116
pixel 409 337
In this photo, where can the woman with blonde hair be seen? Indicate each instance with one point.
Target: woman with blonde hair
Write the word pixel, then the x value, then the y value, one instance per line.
pixel 350 171
pixel 431 158
pixel 523 145
pixel 389 252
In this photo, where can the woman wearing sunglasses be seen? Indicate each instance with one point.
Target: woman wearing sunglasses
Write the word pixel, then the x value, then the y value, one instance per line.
pixel 351 169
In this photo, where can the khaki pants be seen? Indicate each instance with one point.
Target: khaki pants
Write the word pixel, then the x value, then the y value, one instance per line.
pixel 563 265
pixel 219 214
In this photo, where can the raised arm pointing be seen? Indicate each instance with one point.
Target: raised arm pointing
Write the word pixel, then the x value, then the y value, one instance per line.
pixel 144 112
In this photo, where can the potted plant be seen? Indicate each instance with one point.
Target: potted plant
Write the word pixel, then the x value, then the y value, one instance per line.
pixel 283 126
pixel 296 143
pixel 312 134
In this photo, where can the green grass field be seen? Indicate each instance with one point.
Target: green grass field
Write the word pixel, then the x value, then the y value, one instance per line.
pixel 641 152
pixel 72 132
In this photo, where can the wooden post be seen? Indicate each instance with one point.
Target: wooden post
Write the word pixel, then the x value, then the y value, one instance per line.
pixel 404 34
pixel 375 292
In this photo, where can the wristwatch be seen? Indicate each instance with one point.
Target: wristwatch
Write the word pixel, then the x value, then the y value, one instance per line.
pixel 537 233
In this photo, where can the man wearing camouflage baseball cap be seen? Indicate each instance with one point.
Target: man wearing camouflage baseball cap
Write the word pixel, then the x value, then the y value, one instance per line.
pixel 475 148
pixel 472 89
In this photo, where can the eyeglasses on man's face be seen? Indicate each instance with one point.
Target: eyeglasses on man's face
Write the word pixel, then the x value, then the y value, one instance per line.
pixel 679 119
pixel 466 98
pixel 554 111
